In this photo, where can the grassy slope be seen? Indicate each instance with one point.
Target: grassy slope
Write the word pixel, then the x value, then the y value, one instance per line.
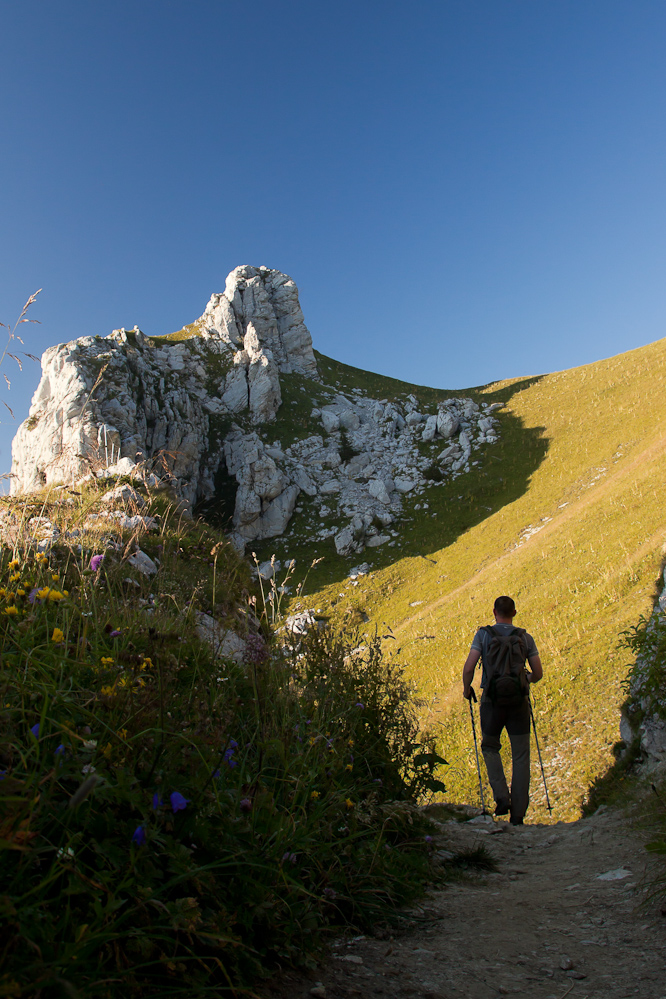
pixel 591 438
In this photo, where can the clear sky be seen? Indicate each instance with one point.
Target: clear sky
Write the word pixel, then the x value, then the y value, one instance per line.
pixel 463 190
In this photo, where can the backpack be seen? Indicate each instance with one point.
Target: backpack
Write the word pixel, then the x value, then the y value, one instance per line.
pixel 506 676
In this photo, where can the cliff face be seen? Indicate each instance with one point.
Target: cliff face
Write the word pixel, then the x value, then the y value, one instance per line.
pixel 159 402
pixel 180 409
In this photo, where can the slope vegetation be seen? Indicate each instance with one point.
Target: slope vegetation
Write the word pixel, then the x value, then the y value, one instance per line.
pixel 565 513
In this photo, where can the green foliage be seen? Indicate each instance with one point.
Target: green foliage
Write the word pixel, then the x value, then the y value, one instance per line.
pixel 647 676
pixel 346 449
pixel 170 821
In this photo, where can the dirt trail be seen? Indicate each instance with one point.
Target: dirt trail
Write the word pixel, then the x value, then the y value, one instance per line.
pixel 544 926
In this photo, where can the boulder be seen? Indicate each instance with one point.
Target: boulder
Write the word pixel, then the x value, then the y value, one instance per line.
pixel 142 563
pixel 447 423
pixel 345 542
pixel 330 421
pixel 377 489
pixel 124 494
pixel 404 485
pixel 430 429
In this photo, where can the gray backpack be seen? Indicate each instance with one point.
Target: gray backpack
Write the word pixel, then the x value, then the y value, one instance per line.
pixel 506 676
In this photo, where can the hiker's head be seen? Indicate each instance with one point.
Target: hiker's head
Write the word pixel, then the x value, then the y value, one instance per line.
pixel 504 608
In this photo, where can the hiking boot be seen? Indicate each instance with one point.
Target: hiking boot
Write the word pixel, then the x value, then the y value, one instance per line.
pixel 502 806
pixel 515 821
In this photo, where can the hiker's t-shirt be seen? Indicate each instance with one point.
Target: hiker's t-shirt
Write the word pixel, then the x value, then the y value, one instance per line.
pixel 482 642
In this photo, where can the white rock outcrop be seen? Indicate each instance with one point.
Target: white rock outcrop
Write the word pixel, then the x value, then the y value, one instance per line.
pixel 131 405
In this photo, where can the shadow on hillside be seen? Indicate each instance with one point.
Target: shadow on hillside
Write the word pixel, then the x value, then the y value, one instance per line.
pixel 454 506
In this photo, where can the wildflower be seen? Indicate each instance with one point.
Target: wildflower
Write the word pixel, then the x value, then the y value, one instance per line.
pixel 90 744
pixel 65 853
pixel 311 741
pixel 55 595
pixel 32 596
pixel 10 595
pixel 349 767
pixel 255 651
pixel 55 576
pixel 139 836
pixel 330 893
pixel 157 801
pixel 43 593
pixel 107 661
pixel 360 705
pixel 246 805
pixel 14 564
pixel 108 750
pixel 349 803
pixel 178 802
pixel 60 751
pixel 3 591
pixel 20 593
pixel 428 839
pixel 11 611
pixel 57 635
pixel 88 769
pixel 35 730
pixel 14 576
pixel 314 795
pixel 122 733
pixel 228 757
pixel 95 562
pixel 108 691
pixel 114 634
pixel 350 743
pixel 291 857
pixel 147 664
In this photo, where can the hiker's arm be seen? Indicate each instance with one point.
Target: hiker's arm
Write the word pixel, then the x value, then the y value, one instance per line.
pixel 468 672
pixel 537 669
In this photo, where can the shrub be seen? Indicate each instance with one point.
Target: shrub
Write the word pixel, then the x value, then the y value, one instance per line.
pixel 169 820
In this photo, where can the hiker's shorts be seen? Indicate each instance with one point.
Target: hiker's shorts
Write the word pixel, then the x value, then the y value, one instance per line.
pixel 516 721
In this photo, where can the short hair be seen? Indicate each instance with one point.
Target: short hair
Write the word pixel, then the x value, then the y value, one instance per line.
pixel 505 606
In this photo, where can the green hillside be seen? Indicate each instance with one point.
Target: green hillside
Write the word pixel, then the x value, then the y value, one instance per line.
pixel 565 512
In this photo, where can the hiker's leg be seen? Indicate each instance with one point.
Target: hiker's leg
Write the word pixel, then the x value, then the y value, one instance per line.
pixel 518 730
pixel 492 723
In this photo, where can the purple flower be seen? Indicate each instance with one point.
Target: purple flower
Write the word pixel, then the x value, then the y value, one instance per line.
pixel 330 893
pixel 428 839
pixel 178 802
pixel 115 633
pixel 246 805
pixel 228 757
pixel 139 836
pixel 35 730
pixel 95 563
pixel 32 596
pixel 216 774
pixel 60 750
pixel 291 857
pixel 157 801
pixel 3 774
pixel 359 705
pixel 255 651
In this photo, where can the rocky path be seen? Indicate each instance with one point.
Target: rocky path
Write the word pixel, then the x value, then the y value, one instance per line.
pixel 546 925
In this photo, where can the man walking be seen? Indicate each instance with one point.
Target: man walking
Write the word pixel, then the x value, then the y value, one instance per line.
pixel 503 651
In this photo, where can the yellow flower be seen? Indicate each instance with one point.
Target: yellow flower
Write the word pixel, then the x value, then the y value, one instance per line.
pixel 311 740
pixel 108 691
pixel 3 591
pixel 14 576
pixel 10 594
pixel 314 795
pixel 55 576
pixel 122 682
pixel 147 664
pixel 349 803
pixel 43 593
pixel 14 564
pixel 11 611
pixel 107 661
pixel 57 635
pixel 20 593
pixel 108 749
pixel 56 595
pixel 122 733
pixel 349 767
pixel 351 742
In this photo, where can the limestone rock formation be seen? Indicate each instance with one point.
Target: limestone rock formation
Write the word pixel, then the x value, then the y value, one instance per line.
pixel 130 404
pixel 181 412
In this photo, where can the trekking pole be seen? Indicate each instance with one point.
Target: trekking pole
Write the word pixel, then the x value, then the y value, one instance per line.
pixel 472 697
pixel 536 739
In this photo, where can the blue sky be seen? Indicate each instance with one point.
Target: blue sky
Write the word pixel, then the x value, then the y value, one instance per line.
pixel 463 190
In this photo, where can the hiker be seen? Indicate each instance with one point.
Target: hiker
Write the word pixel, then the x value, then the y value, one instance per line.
pixel 505 682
